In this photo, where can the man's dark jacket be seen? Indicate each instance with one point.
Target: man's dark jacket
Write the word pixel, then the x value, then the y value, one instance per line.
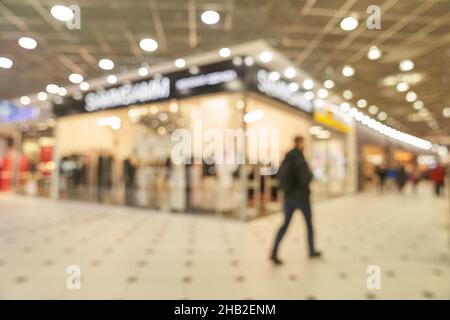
pixel 297 166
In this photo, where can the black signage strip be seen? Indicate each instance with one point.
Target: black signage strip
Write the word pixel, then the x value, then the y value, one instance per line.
pixel 223 309
pixel 223 76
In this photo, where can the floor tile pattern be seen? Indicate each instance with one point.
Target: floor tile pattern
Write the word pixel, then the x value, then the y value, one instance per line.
pixel 127 253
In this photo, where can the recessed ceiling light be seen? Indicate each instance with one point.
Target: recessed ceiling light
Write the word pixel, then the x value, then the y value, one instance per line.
pixel 25 100
pixel 433 125
pixel 446 112
pixel 418 104
pixel 411 96
pixel 42 96
pixel 373 109
pixel 289 73
pixel 308 84
pixel 52 88
pixel 161 131
pixel 374 53
pixel 27 43
pixel 329 84
pixel 361 103
pixel 347 94
pixel 345 107
pixel 148 45
pixel 293 86
pixel 402 86
pixel 62 13
pixel 194 70
pixel 210 17
pixel 240 104
pixel 309 95
pixel 382 116
pixel 322 93
pixel 143 71
pixel 180 63
pixel 349 23
pixel 348 71
pixel 62 91
pixel 274 76
pixel 390 121
pixel 265 56
pixel 106 64
pixel 5 63
pixel 76 78
pixel 424 113
pixel 249 61
pixel 78 95
pixel 84 86
pixel 406 65
pixel 225 52
pixel 237 61
pixel 163 117
pixel 111 79
pixel 154 109
pixel 58 100
pixel 173 107
pixel 353 112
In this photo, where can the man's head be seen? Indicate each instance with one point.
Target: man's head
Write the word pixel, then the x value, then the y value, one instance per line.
pixel 299 143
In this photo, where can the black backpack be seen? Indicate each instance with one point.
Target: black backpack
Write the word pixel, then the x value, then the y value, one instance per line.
pixel 287 175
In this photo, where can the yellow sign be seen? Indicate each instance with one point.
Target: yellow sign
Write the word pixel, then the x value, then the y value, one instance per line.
pixel 328 119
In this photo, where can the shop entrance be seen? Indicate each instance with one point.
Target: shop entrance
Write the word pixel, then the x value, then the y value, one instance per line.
pixel 373 157
pixel 328 164
pixel 263 192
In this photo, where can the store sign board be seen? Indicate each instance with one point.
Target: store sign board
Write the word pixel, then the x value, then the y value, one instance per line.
pixel 208 79
pixel 279 89
pixel 223 76
pixel 153 90
pixel 140 92
pixel 323 114
pixel 11 113
pixel 329 120
pixel 219 77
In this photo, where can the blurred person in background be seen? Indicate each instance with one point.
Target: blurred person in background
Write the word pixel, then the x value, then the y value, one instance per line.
pixel 295 177
pixel 391 177
pixel 401 177
pixel 437 176
pixel 9 166
pixel 416 176
pixel 381 173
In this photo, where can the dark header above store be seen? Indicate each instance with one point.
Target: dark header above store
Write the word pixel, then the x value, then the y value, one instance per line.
pixel 226 76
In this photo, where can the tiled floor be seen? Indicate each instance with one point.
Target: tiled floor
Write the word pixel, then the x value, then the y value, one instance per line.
pixel 138 254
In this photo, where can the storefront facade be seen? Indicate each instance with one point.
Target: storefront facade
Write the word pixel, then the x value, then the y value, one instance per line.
pixel 116 145
pixel 26 150
pixel 377 153
pixel 118 141
pixel 333 154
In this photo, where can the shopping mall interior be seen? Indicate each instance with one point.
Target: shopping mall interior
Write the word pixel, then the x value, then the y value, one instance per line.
pixel 151 148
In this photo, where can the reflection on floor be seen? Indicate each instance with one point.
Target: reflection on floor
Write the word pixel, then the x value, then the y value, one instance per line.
pixel 137 254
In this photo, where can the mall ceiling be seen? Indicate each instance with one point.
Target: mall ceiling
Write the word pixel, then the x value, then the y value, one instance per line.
pixel 306 31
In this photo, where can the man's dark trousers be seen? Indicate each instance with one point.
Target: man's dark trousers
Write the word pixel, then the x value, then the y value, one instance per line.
pixel 290 205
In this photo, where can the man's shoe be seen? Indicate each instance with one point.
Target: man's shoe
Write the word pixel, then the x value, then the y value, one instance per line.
pixel 315 254
pixel 276 261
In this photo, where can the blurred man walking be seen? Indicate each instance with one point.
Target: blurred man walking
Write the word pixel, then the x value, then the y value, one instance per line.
pixel 295 176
